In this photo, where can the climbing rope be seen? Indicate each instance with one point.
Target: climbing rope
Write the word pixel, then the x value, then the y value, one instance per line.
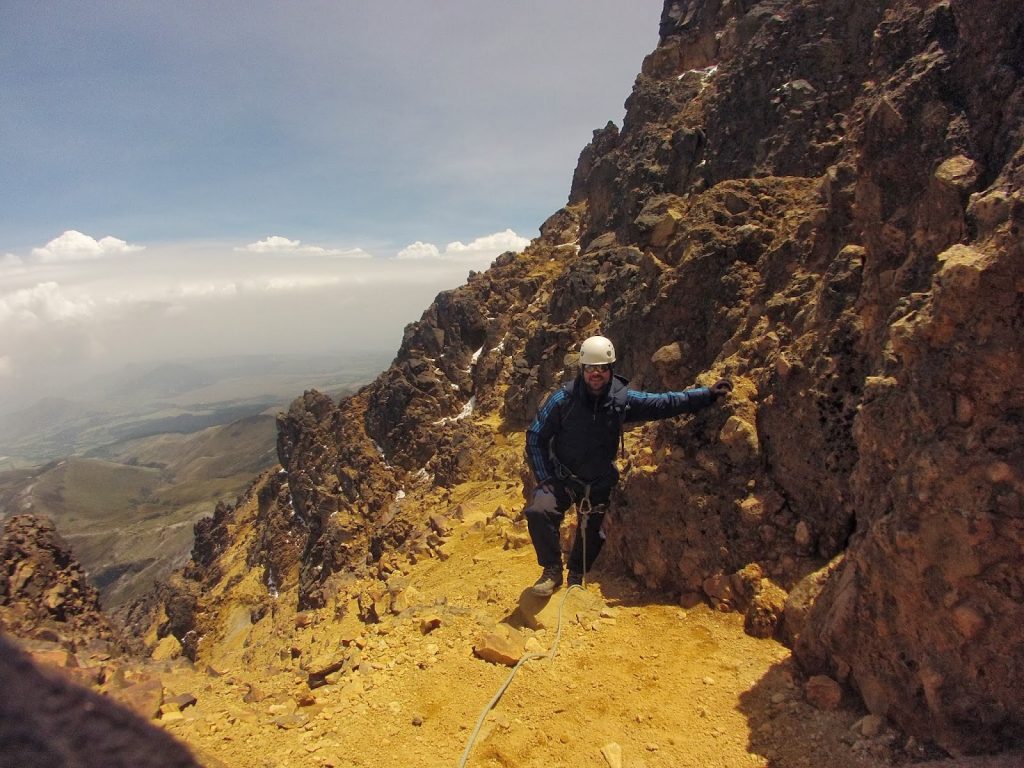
pixel 583 510
pixel 508 681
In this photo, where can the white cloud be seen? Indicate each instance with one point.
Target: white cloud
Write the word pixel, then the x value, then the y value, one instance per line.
pixel 72 245
pixel 43 303
pixel 6 367
pixel 272 244
pixel 420 250
pixel 278 244
pixel 497 243
pixel 228 289
pixel 10 260
pixel 486 247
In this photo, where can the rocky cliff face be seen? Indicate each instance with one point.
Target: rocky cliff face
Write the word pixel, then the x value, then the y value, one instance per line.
pixel 43 590
pixel 822 200
pixel 834 193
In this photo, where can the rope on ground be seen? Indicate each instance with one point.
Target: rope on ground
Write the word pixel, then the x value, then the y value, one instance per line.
pixel 508 681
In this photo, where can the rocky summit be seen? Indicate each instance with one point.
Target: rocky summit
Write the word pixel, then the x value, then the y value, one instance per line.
pixel 821 200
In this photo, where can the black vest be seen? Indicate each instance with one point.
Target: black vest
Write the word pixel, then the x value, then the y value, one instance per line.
pixel 589 434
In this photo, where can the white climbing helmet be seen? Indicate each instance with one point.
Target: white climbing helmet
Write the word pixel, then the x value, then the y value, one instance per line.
pixel 597 350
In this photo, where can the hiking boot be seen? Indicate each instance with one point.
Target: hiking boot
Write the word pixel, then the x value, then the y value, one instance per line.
pixel 549 581
pixel 575 579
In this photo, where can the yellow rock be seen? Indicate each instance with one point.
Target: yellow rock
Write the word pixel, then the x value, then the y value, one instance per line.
pixel 739 438
pixel 168 648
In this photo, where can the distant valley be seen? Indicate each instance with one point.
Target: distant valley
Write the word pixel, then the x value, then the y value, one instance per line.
pixel 180 396
pixel 126 473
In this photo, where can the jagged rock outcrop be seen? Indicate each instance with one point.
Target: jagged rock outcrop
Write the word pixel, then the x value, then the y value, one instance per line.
pixel 336 506
pixel 51 713
pixel 43 590
pixel 822 201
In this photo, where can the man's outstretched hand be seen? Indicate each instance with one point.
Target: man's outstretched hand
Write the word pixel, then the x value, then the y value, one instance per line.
pixel 721 388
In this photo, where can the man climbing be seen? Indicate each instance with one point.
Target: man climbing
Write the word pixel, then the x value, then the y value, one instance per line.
pixel 571 449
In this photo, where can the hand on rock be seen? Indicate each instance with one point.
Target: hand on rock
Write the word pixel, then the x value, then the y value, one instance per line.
pixel 721 388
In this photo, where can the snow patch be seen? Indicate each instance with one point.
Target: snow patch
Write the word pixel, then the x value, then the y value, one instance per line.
pixel 467 410
pixel 705 74
pixel 380 452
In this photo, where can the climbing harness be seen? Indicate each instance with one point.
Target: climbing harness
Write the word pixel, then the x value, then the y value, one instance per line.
pixel 584 507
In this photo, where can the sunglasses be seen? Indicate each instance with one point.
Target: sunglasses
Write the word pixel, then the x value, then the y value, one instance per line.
pixel 600 367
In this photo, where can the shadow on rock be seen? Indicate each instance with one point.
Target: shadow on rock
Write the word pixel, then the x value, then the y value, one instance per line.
pixel 534 612
pixel 46 721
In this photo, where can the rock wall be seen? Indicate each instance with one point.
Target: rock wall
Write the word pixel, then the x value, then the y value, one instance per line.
pixel 831 199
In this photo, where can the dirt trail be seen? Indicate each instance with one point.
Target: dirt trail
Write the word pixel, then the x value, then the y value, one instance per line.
pixel 634 676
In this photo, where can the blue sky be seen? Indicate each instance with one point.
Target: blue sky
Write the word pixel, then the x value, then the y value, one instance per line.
pixel 168 166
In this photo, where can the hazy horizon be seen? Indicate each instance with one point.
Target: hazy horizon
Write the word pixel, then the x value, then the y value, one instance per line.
pixel 124 313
